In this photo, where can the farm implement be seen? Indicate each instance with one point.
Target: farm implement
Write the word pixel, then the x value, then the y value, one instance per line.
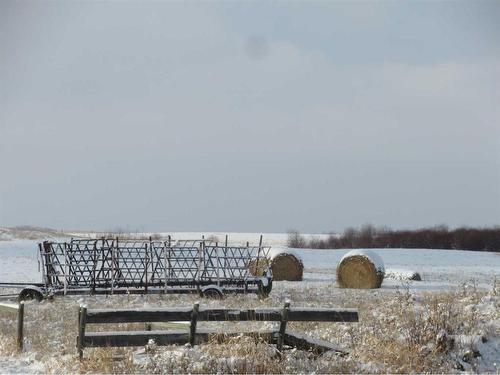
pixel 123 266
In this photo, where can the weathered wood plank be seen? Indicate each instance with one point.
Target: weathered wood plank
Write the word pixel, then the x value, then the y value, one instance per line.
pixel 9 307
pixel 184 314
pixel 304 342
pixel 9 296
pixel 192 315
pixel 194 321
pixel 284 321
pixel 138 315
pixel 162 338
pixel 170 325
pixel 239 315
pixel 17 309
pixel 303 314
pixel 82 321
pixel 20 327
pixel 134 338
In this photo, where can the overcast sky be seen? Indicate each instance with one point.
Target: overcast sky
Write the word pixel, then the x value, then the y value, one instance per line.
pixel 249 116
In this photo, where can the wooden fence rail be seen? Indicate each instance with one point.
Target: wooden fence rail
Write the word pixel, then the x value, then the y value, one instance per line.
pixel 296 314
pixel 197 336
pixel 19 310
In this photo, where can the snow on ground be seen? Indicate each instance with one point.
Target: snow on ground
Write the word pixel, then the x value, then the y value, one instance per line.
pixel 441 270
pixel 35 233
pixel 438 268
pixel 25 365
pixel 19 261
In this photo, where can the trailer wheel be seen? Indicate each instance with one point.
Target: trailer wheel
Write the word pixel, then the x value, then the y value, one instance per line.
pixel 30 295
pixel 212 293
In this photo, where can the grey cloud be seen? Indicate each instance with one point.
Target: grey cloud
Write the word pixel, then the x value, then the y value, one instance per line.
pixel 152 116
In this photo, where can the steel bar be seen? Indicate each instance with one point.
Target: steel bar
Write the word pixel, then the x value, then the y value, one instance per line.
pixel 115 263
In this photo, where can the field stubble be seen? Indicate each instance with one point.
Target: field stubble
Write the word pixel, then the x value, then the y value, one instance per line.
pixel 399 332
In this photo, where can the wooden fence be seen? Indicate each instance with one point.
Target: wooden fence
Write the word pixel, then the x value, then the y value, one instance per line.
pixel 197 336
pixel 19 310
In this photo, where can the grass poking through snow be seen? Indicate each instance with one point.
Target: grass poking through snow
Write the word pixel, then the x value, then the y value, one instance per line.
pixel 398 332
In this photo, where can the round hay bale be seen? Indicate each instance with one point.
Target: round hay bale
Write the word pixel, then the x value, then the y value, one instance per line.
pixel 258 270
pixel 360 269
pixel 285 265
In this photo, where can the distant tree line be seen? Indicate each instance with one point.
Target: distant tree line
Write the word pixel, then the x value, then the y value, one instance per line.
pixel 439 237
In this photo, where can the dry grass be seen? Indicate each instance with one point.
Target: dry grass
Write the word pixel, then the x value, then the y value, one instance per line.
pixel 399 332
pixel 129 235
pixel 27 232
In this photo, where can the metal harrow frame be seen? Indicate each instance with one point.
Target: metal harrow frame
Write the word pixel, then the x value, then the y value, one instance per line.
pixel 114 265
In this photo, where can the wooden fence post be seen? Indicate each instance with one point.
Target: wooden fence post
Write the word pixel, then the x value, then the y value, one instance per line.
pixel 194 320
pixel 82 320
pixel 284 319
pixel 20 326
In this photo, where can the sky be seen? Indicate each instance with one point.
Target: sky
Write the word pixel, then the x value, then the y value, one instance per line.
pixel 249 116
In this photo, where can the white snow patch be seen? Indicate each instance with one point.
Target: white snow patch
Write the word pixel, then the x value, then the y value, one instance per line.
pixel 20 365
pixel 400 274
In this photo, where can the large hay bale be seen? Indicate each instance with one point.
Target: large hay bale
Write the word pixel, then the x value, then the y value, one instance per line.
pixel 360 269
pixel 285 265
pixel 258 270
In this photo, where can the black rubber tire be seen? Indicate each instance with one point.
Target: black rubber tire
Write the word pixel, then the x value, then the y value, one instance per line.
pixel 212 293
pixel 30 295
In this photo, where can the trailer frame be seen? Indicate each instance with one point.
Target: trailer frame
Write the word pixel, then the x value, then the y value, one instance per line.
pixel 102 266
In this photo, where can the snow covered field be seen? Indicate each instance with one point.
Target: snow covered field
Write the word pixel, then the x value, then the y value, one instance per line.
pixel 462 281
pixel 438 268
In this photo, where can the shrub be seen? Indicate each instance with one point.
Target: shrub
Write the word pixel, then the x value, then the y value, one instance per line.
pixel 295 239
pixel 438 237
